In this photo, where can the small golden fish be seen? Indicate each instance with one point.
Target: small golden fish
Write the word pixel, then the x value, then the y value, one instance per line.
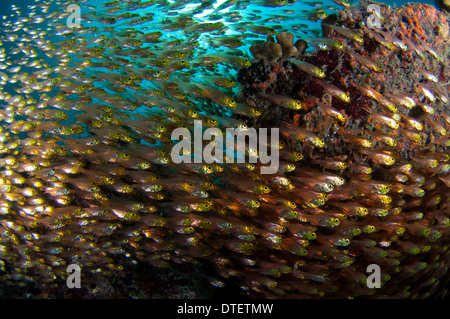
pixel 334 91
pixel 310 69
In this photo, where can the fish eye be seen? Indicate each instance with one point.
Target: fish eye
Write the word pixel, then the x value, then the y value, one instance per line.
pixel 290 167
pixel 419 193
pixel 144 165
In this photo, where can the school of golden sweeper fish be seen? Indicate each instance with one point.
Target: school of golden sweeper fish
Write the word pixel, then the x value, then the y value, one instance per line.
pixel 87 113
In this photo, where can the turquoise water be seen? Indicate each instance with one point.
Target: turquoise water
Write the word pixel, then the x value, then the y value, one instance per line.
pixel 299 23
pixel 248 23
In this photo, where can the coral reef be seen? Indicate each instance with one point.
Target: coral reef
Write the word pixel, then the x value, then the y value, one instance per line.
pixel 387 77
pixel 87 177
